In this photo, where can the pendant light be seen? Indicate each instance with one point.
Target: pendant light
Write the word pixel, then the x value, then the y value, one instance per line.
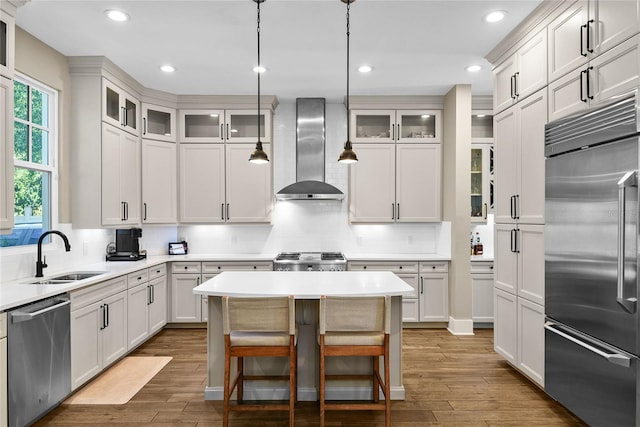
pixel 348 155
pixel 259 156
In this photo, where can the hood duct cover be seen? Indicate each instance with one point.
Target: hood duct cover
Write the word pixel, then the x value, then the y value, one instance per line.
pixel 310 155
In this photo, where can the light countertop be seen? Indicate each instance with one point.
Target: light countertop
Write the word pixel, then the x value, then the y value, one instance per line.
pixel 304 284
pixel 396 257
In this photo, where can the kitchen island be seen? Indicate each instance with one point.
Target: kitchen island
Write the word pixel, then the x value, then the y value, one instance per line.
pixel 306 287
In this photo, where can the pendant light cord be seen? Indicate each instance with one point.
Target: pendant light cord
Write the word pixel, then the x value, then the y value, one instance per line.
pixel 259 65
pixel 348 112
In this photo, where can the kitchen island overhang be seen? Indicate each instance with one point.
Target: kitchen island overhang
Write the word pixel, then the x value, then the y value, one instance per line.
pixel 306 287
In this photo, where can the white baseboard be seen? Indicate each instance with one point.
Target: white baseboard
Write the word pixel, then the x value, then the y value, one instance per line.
pixel 460 326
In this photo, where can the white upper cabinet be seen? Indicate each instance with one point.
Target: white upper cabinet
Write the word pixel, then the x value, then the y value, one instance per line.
pixel 202 180
pixel 522 74
pixel 7 43
pixel 482 162
pixel 613 73
pixel 119 108
pixel 587 29
pixel 395 183
pixel 158 122
pixel 159 182
pixel 224 126
pixel 249 189
pixel 396 126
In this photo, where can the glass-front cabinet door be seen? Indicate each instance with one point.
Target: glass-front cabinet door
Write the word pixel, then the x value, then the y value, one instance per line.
pixel 396 126
pixel 158 122
pixel 7 37
pixel 202 125
pixel 482 166
pixel 418 126
pixel 242 126
pixel 373 125
pixel 120 108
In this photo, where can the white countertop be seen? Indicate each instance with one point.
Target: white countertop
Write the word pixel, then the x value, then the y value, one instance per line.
pixel 481 258
pixel 304 284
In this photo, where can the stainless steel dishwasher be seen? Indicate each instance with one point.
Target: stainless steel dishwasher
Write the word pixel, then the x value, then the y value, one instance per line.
pixel 39 358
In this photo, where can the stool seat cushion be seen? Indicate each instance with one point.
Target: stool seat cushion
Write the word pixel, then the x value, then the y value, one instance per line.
pixel 353 338
pixel 259 339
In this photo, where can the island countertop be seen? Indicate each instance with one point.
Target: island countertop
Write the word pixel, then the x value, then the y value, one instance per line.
pixel 304 284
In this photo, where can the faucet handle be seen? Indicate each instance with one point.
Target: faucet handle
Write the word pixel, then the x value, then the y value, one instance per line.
pixel 44 261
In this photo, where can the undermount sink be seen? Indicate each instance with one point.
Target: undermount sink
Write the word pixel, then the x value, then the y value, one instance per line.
pixel 80 275
pixel 67 278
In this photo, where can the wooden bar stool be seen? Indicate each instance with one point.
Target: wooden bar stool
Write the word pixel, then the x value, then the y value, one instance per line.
pixel 356 326
pixel 258 327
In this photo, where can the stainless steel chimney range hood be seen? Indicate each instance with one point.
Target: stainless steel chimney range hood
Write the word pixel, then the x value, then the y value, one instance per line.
pixel 310 155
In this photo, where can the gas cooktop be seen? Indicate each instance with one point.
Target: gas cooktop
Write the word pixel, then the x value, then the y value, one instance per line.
pixel 310 261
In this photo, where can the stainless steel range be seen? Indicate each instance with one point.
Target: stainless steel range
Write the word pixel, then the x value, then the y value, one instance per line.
pixel 310 261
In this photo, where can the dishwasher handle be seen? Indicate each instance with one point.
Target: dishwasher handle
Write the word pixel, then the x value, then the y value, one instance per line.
pixel 24 316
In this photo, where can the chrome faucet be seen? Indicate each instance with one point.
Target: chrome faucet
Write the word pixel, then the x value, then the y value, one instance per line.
pixel 40 264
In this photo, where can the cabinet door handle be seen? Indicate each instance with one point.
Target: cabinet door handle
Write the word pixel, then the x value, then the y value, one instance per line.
pixel 582 97
pixel 422 285
pixel 148 294
pixel 228 133
pixel 106 307
pixel 515 84
pixel 398 126
pixel 393 211
pixel 512 207
pixel 512 238
pixel 517 206
pixel 583 27
pixel 126 210
pixel 589 48
pixel 144 125
pixel 122 217
pixel 145 211
pixel 227 211
pixel 485 210
pixel 398 211
pixel 102 315
pixel 221 132
pixel 222 211
pixel 588 75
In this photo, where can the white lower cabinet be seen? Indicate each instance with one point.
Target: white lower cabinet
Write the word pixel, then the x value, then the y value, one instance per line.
pixel 482 291
pixel 98 328
pixel 6 156
pixel 147 305
pixel 530 355
pixel 186 307
pixel 434 292
pixel 4 417
pixel 505 331
pixel 430 281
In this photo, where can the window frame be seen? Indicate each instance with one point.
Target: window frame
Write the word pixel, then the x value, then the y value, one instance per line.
pixel 52 167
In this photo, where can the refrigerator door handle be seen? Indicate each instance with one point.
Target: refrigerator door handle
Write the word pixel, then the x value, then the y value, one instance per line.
pixel 630 179
pixel 615 358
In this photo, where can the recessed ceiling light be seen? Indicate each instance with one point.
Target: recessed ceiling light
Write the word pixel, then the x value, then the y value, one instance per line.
pixel 495 16
pixel 168 68
pixel 473 68
pixel 365 68
pixel 259 69
pixel 116 15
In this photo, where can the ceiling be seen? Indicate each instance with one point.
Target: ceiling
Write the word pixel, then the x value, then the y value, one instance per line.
pixel 416 47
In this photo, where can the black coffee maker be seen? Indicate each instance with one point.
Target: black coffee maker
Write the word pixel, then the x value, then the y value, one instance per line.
pixel 127 245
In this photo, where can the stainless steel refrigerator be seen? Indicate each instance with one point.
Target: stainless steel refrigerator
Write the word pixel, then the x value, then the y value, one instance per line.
pixel 591 263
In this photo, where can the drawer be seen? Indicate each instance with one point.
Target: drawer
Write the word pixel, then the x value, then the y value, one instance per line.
pixel 394 266
pixel 137 278
pixel 434 267
pixel 157 271
pixel 218 267
pixel 97 292
pixel 185 267
pixel 481 267
pixel 3 325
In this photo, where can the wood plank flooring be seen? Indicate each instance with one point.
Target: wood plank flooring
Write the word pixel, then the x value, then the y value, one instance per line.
pixel 449 381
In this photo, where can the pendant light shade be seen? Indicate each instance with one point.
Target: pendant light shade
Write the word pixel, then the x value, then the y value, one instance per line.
pixel 259 156
pixel 348 155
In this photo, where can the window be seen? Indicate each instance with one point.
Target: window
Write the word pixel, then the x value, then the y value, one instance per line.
pixel 35 108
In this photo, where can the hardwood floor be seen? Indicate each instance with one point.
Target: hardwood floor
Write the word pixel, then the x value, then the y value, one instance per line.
pixel 449 381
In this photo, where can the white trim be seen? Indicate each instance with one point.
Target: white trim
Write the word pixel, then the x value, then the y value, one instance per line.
pixel 460 326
